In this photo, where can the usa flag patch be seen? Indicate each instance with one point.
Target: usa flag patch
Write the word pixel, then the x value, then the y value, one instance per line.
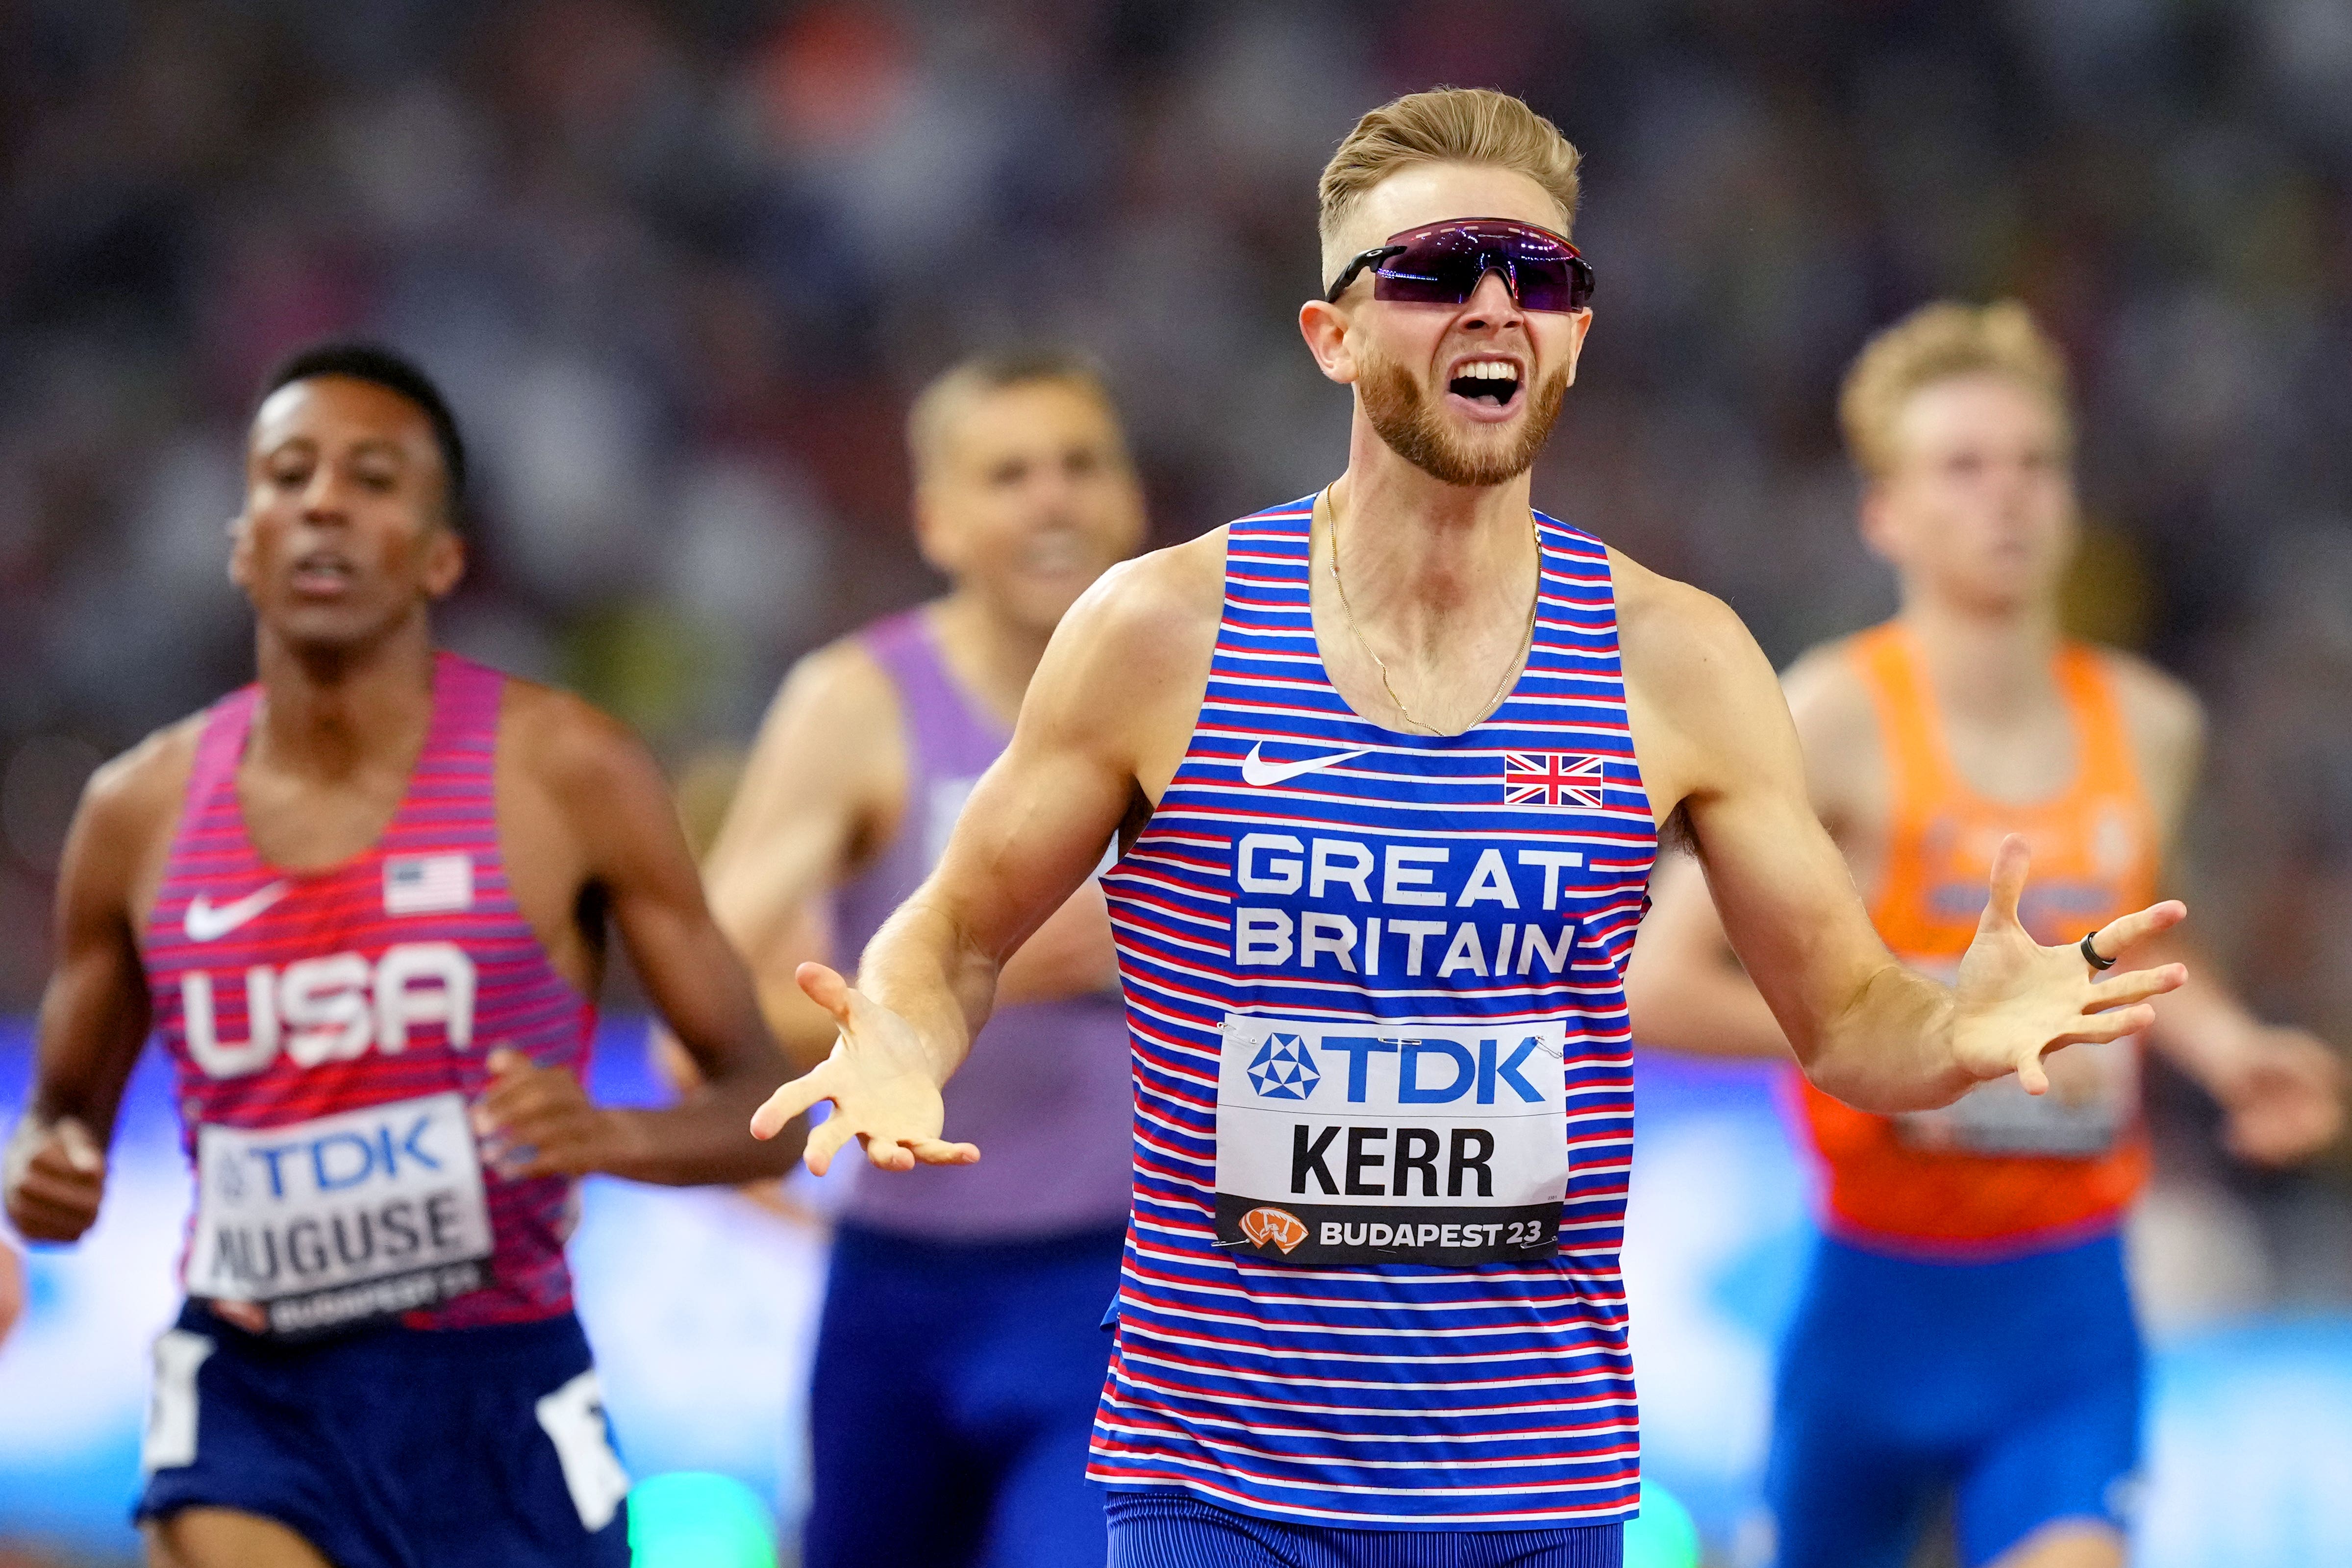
pixel 427 885
pixel 1555 778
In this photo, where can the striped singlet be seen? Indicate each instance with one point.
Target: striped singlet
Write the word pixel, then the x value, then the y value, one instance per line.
pixel 1367 972
pixel 2001 1173
pixel 328 1030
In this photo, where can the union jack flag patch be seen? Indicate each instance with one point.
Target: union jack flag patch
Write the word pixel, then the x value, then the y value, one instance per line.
pixel 1555 778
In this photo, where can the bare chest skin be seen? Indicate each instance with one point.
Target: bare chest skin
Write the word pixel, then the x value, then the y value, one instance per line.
pixel 1464 678
pixel 1460 673
pixel 306 824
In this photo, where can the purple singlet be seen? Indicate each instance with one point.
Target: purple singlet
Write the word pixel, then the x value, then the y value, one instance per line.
pixel 1045 1091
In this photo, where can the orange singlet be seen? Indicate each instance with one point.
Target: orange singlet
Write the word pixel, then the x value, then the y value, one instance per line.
pixel 2001 1173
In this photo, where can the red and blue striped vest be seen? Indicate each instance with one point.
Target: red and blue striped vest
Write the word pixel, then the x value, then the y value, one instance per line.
pixel 1325 917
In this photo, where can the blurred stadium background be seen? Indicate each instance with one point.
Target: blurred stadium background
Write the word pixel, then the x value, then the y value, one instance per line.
pixel 681 265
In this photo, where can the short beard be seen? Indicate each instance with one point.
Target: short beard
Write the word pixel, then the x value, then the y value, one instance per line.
pixel 1410 424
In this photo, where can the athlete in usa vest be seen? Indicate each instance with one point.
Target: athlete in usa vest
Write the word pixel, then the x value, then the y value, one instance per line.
pixel 328 1032
pixel 1388 769
pixel 362 903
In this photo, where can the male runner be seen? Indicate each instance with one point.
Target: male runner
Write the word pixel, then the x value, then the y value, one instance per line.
pixel 1389 764
pixel 1957 1235
pixel 960 1354
pixel 363 904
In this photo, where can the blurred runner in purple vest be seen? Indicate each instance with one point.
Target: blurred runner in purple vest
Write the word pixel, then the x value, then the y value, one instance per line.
pixel 960 1343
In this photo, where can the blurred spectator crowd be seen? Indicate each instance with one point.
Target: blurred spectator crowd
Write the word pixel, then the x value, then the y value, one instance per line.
pixel 681 265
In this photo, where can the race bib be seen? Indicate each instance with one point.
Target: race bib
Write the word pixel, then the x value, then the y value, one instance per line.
pixel 326 1224
pixel 1391 1141
pixel 2093 1096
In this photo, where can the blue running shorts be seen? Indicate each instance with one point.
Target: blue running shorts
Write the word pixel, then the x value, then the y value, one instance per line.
pixel 394 1448
pixel 2013 1385
pixel 953 1395
pixel 1165 1527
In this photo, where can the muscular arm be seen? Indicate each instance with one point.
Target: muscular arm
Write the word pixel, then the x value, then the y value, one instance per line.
pixel 825 786
pixel 94 1013
pixel 607 793
pixel 1686 985
pixel 1103 727
pixel 1716 738
pixel 1039 820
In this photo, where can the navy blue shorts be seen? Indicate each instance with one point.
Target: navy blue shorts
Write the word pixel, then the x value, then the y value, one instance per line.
pixel 394 1448
pixel 1164 1528
pixel 953 1395
pixel 2013 1386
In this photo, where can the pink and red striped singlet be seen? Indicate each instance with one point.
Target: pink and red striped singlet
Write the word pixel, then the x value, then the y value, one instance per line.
pixel 328 1031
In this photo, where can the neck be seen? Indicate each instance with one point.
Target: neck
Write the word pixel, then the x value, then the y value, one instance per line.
pixel 1417 551
pixel 994 654
pixel 1986 662
pixel 329 713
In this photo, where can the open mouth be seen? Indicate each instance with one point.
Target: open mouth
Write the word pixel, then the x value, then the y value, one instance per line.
pixel 321 573
pixel 1055 554
pixel 1494 382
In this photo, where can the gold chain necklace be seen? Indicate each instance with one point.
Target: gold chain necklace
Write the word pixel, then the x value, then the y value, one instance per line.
pixel 1511 669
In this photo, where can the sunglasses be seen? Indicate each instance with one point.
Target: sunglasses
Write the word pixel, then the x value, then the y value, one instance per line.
pixel 1443 264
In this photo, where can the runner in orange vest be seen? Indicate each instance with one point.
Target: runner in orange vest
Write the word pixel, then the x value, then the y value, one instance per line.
pixel 1956 1239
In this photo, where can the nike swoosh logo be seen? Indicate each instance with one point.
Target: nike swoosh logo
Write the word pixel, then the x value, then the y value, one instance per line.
pixel 1256 770
pixel 207 920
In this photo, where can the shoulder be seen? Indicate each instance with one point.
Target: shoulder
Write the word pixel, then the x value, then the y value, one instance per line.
pixel 2161 711
pixel 1828 696
pixel 568 745
pixel 122 832
pixel 1152 614
pixel 1683 639
pixel 836 732
pixel 142 791
pixel 1837 724
pixel 842 683
pixel 1163 588
pixel 2164 718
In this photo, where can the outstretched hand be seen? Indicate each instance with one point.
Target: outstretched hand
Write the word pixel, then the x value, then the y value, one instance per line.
pixel 881 1080
pixel 2017 1000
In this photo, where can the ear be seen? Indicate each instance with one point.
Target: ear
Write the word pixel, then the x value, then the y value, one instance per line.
pixel 935 540
pixel 1579 324
pixel 1876 523
pixel 240 552
pixel 445 562
pixel 1326 327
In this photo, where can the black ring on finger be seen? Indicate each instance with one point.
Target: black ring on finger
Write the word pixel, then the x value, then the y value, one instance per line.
pixel 2091 953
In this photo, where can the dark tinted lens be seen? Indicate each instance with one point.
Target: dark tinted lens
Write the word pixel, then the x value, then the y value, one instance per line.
pixel 1442 269
pixel 1547 283
pixel 1445 268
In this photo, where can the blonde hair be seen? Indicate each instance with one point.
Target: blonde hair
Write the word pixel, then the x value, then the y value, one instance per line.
pixel 1936 343
pixel 938 405
pixel 1446 125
